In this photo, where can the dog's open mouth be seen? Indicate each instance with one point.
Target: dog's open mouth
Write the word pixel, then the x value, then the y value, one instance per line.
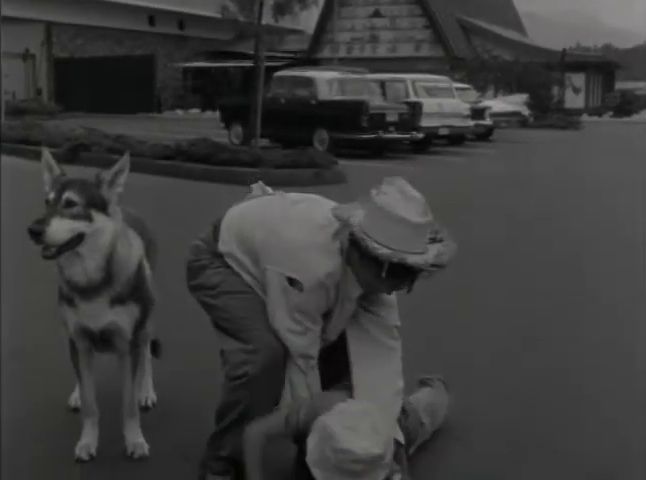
pixel 50 252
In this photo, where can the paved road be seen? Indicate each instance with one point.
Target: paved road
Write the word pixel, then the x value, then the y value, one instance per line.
pixel 540 324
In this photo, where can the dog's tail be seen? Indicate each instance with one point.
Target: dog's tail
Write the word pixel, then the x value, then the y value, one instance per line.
pixel 155 348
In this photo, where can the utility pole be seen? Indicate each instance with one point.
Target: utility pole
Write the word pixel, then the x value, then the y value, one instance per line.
pixel 335 30
pixel 563 71
pixel 1 85
pixel 255 120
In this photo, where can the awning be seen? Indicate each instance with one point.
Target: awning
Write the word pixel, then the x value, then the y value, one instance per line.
pixel 228 64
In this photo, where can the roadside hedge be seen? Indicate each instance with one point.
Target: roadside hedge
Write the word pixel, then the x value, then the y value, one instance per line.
pixel 205 151
pixel 31 106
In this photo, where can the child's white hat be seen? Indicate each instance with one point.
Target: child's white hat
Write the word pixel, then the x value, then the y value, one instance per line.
pixel 351 442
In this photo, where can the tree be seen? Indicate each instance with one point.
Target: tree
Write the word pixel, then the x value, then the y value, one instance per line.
pixel 513 76
pixel 285 8
pixel 279 9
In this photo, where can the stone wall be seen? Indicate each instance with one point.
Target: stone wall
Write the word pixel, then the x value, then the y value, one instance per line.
pixel 81 41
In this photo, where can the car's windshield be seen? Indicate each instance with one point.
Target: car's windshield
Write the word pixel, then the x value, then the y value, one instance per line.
pixel 394 90
pixel 467 94
pixel 426 89
pixel 355 88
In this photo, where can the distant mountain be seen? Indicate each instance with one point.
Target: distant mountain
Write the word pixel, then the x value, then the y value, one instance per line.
pixel 564 28
pixel 634 62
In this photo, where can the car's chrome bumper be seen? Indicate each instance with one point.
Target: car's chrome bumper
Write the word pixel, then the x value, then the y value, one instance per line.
pixel 480 126
pixel 446 130
pixel 379 136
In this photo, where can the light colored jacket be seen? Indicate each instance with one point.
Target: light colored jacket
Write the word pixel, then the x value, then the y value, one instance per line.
pixel 291 250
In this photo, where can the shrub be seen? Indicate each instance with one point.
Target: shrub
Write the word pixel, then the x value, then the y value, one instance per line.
pixel 30 132
pixel 628 104
pixel 205 150
pixel 513 77
pixel 75 140
pixel 31 106
pixel 561 120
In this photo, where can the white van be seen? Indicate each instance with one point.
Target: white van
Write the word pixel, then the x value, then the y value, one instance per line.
pixel 441 114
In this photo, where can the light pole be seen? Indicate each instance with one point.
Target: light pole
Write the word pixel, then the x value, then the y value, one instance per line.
pixel 255 120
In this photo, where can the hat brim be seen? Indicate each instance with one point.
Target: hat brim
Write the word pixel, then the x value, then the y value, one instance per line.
pixel 436 256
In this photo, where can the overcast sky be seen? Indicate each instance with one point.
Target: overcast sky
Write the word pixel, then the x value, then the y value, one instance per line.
pixel 626 14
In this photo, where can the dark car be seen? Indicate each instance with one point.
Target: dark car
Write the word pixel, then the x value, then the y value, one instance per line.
pixel 324 108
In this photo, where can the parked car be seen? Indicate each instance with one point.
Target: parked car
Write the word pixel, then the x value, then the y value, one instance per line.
pixel 326 108
pixel 441 115
pixel 483 126
pixel 509 110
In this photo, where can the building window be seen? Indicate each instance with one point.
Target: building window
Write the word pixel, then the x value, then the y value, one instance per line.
pixel 151 20
pixel 180 25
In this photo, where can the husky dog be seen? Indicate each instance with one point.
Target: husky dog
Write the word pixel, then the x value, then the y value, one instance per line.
pixel 104 256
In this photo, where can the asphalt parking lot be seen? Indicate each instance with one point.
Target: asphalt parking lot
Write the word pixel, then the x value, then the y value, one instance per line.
pixel 539 325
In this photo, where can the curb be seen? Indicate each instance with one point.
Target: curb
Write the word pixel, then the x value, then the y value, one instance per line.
pixel 282 177
pixel 623 121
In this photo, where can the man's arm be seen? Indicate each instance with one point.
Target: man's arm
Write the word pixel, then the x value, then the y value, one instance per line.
pixel 296 315
pixel 375 350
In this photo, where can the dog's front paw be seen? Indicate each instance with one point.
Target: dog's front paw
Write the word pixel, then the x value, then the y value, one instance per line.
pixel 147 398
pixel 74 402
pixel 137 448
pixel 136 445
pixel 86 448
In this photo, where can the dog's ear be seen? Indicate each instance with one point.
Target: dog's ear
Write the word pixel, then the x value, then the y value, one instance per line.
pixel 51 170
pixel 113 181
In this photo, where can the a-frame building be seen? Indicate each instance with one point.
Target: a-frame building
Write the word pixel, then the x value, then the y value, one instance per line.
pixel 441 36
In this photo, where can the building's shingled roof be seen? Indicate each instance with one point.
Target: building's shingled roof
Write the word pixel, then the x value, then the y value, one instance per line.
pixel 438 12
pixel 502 13
pixel 443 18
pixel 453 18
pixel 534 51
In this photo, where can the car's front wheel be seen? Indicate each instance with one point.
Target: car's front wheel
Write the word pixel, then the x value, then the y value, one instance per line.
pixel 236 133
pixel 485 135
pixel 421 146
pixel 457 139
pixel 321 140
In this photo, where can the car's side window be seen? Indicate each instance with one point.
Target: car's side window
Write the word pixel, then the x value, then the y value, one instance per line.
pixel 302 88
pixel 279 87
pixel 395 91
pixel 292 87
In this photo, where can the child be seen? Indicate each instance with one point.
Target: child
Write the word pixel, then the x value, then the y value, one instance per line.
pixel 340 438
